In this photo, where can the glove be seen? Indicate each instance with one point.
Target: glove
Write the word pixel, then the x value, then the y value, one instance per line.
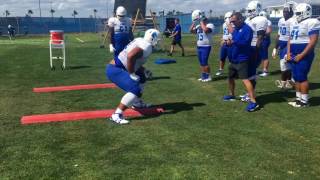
pixel 134 77
pixel 111 48
pixel 274 53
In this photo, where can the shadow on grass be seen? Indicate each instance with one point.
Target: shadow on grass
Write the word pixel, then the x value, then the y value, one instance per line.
pixel 159 78
pixel 275 97
pixel 275 72
pixel 314 101
pixel 76 67
pixel 314 86
pixel 173 108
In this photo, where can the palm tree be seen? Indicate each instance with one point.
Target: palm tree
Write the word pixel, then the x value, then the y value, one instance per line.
pixel 52 11
pixel 74 13
pixel 29 12
pixel 95 13
pixel 7 13
pixel 210 12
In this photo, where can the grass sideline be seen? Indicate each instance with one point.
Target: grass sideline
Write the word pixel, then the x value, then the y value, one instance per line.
pixel 200 137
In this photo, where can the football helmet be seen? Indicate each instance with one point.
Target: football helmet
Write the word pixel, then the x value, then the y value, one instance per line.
pixel 152 36
pixel 253 9
pixel 121 12
pixel 197 15
pixel 303 11
pixel 227 16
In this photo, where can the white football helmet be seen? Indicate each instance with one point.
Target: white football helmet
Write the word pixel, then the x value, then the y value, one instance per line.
pixel 197 15
pixel 121 12
pixel 152 36
pixel 264 14
pixel 253 9
pixel 227 16
pixel 303 11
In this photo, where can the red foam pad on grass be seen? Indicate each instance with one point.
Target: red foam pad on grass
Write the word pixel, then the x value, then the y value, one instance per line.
pixel 76 116
pixel 75 87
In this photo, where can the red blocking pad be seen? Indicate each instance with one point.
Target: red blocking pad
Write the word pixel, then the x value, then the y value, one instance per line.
pixel 72 88
pixel 76 116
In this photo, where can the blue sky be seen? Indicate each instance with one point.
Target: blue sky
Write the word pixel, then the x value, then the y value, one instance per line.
pixel 85 7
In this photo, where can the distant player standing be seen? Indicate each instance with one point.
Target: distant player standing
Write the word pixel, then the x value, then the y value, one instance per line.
pixel 259 26
pixel 304 34
pixel 120 31
pixel 127 72
pixel 264 51
pixel 224 49
pixel 11 31
pixel 204 31
pixel 281 47
pixel 176 35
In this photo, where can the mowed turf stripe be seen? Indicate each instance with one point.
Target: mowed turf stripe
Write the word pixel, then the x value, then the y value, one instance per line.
pixel 74 87
pixel 76 116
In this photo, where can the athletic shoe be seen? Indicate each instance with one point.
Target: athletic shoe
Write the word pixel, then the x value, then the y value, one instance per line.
pixel 252 106
pixel 243 95
pixel 280 84
pixel 219 72
pixel 207 79
pixel 245 98
pixel 200 79
pixel 118 118
pixel 264 74
pixel 298 103
pixel 229 98
pixel 139 104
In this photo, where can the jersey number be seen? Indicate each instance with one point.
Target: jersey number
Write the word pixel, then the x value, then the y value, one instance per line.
pixel 123 28
pixel 200 37
pixel 283 30
pixel 294 34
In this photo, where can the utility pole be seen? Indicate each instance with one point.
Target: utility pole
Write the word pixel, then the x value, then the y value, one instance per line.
pixel 40 8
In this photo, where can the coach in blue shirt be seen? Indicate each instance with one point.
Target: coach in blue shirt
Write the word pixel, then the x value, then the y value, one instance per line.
pixel 176 35
pixel 239 62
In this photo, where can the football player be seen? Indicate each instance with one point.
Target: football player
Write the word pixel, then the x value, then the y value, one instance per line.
pixel 281 46
pixel 265 46
pixel 224 49
pixel 304 33
pixel 259 25
pixel 120 31
pixel 127 72
pixel 204 31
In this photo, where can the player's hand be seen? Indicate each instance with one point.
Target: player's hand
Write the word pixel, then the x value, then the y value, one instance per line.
pixel 111 48
pixel 298 57
pixel 274 53
pixel 134 77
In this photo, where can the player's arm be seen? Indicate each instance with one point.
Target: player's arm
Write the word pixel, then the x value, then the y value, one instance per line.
pixel 309 48
pixel 133 55
pixel 205 28
pixel 192 28
pixel 260 36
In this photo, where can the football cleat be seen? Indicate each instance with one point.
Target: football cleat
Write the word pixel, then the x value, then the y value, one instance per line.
pixel 245 98
pixel 229 98
pixel 252 106
pixel 264 74
pixel 298 103
pixel 207 79
pixel 118 118
pixel 219 72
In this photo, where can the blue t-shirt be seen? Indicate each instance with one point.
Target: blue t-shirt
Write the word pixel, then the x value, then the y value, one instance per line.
pixel 240 49
pixel 177 29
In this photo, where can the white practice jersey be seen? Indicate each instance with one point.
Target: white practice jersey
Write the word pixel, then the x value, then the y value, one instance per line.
pixel 257 23
pixel 284 29
pixel 142 44
pixel 120 26
pixel 226 35
pixel 204 39
pixel 300 32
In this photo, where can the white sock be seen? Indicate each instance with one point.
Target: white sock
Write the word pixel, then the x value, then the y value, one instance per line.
pixel 128 99
pixel 305 98
pixel 298 96
pixel 118 111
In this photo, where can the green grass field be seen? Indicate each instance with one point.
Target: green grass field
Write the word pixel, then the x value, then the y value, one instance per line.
pixel 199 136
